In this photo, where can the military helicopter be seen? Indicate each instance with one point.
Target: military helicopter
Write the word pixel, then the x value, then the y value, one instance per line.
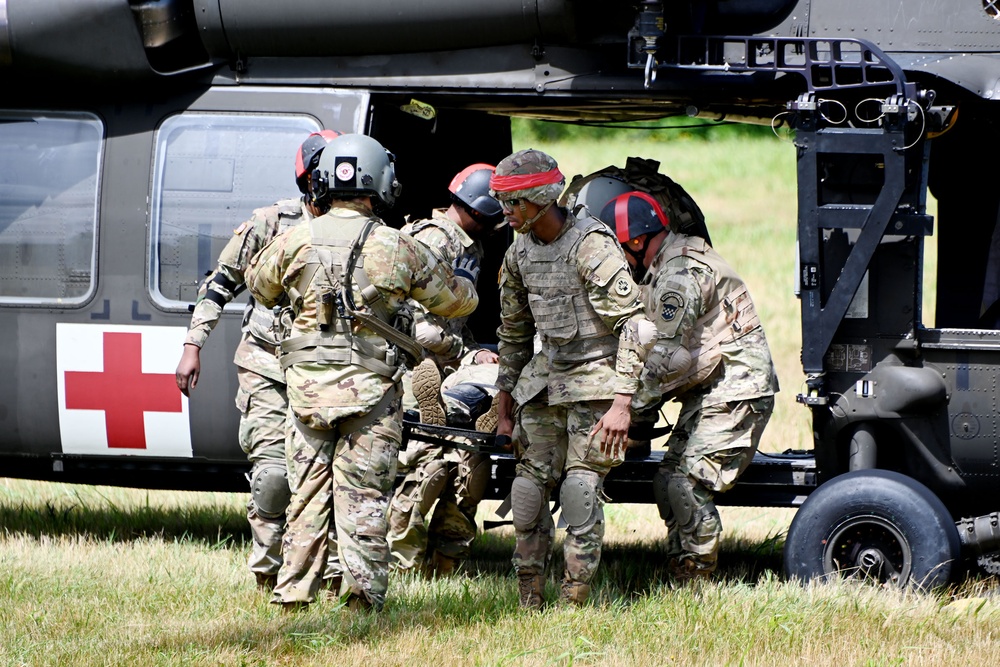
pixel 135 134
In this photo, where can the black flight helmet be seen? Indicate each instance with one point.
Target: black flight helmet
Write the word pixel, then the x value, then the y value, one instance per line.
pixel 470 189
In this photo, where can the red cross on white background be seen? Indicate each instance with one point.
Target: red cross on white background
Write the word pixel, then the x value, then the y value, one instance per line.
pixel 123 391
pixel 117 393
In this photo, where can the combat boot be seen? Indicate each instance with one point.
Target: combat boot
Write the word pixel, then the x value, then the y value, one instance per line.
pixel 426 381
pixel 358 603
pixel 530 587
pixel 686 570
pixel 293 607
pixel 331 588
pixel 441 565
pixel 487 422
pixel 266 582
pixel 574 592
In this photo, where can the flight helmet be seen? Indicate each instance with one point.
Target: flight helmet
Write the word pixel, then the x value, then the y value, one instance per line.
pixel 632 215
pixel 355 165
pixel 307 157
pixel 470 189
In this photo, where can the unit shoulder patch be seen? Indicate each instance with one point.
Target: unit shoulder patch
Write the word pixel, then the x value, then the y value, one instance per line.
pixel 623 286
pixel 670 304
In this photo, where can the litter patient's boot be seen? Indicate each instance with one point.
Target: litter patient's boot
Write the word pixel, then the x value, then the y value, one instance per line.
pixel 426 380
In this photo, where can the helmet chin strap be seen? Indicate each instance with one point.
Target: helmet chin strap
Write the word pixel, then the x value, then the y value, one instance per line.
pixel 639 270
pixel 526 227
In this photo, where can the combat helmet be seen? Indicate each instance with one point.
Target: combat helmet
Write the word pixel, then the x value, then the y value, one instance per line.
pixel 470 189
pixel 307 157
pixel 528 175
pixel 355 165
pixel 643 175
pixel 598 191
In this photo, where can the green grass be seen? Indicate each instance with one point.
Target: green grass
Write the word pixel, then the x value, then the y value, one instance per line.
pixel 91 577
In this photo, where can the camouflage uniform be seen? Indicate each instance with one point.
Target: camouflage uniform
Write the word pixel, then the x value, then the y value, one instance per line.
pixel 727 393
pixel 578 294
pixel 344 399
pixel 445 339
pixel 261 396
pixel 453 478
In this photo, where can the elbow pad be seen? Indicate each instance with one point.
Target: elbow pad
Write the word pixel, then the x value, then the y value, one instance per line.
pixel 430 337
pixel 665 364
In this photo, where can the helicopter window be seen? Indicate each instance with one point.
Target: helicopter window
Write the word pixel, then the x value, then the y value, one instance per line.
pixel 211 171
pixel 49 167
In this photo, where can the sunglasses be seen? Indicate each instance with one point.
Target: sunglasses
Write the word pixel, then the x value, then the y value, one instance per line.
pixel 510 204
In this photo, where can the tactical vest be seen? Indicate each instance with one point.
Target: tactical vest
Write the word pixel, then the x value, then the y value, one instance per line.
pixel 570 328
pixel 728 318
pixel 262 323
pixel 334 271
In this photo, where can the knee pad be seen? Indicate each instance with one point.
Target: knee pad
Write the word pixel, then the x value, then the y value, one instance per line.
pixel 433 478
pixel 680 494
pixel 474 480
pixel 526 503
pixel 269 490
pixel 660 495
pixel 580 499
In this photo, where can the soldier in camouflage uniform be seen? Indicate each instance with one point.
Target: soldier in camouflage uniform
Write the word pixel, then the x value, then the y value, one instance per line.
pixel 566 279
pixel 448 480
pixel 347 277
pixel 710 354
pixel 261 395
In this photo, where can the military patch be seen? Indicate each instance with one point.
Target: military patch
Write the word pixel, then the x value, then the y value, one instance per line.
pixel 345 171
pixel 239 230
pixel 672 302
pixel 623 286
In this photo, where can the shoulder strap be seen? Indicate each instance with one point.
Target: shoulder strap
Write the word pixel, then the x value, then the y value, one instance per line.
pixel 378 323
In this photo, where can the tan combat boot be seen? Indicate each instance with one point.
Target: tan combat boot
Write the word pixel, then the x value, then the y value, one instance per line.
pixel 266 582
pixel 574 592
pixel 358 603
pixel 441 565
pixel 686 570
pixel 293 607
pixel 426 381
pixel 331 588
pixel 487 422
pixel 530 587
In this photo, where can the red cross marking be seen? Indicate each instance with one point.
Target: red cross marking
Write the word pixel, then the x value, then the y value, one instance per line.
pixel 123 391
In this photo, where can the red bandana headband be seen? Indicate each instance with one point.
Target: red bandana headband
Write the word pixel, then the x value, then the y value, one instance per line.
pixel 524 181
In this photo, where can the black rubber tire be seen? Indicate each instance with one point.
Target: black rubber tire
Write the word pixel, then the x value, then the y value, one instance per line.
pixel 873 524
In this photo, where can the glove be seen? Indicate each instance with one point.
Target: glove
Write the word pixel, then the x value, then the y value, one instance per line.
pixel 466 266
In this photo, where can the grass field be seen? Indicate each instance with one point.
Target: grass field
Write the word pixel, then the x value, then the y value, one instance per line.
pixel 108 576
